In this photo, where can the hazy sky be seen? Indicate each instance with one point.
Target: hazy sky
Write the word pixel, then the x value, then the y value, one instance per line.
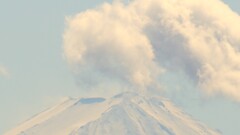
pixel 34 74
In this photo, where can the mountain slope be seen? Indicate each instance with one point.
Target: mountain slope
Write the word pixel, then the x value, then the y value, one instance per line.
pixel 123 114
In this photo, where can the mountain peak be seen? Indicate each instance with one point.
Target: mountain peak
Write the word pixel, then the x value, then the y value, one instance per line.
pixel 123 114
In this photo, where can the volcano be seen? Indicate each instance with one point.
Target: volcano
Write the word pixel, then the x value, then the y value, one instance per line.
pixel 122 114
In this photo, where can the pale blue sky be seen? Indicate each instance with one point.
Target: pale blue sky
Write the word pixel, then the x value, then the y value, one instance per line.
pixel 31 50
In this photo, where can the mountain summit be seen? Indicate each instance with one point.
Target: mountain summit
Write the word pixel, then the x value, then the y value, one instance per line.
pixel 123 114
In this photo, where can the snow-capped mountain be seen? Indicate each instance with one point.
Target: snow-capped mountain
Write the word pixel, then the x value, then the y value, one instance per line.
pixel 123 114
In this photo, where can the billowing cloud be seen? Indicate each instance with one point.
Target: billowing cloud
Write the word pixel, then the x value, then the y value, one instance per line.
pixel 133 44
pixel 3 71
pixel 105 45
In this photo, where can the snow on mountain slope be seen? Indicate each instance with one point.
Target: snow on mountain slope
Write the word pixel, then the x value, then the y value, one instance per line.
pixel 123 114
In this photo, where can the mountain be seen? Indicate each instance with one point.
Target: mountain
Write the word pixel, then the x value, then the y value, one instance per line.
pixel 123 114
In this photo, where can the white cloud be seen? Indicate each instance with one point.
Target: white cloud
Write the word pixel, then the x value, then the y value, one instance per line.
pixel 104 44
pixel 133 43
pixel 4 72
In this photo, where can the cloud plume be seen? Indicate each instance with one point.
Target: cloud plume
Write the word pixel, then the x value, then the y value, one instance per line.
pixel 136 43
